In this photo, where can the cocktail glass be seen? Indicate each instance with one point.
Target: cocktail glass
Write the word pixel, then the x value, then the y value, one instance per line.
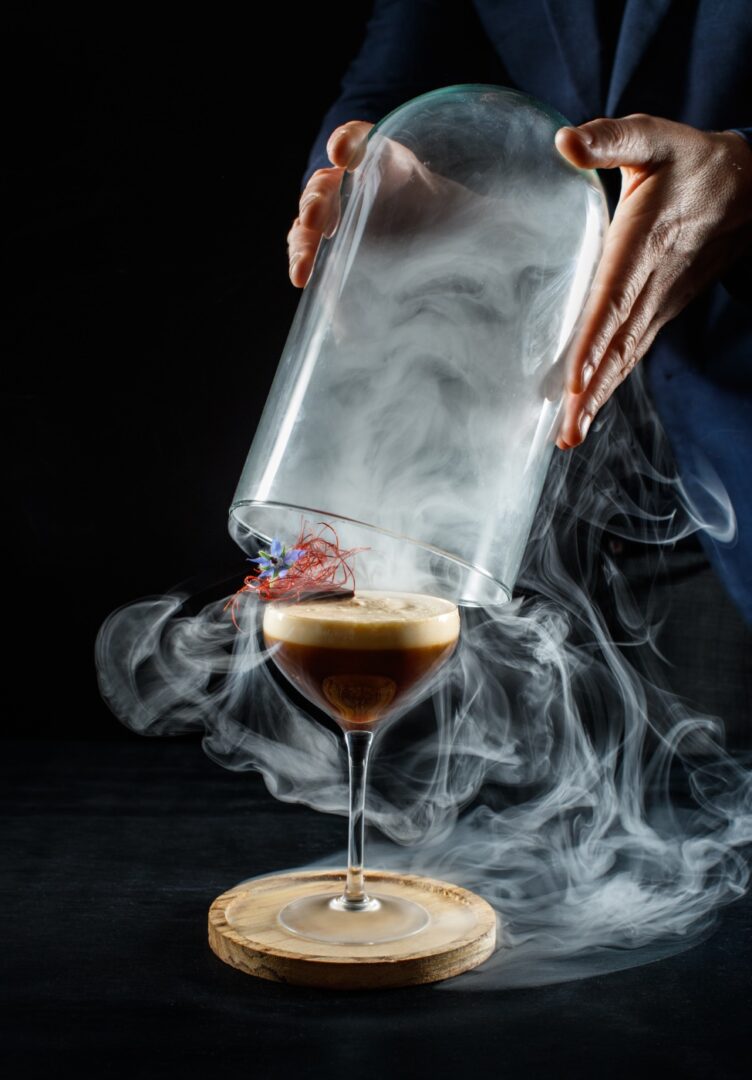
pixel 363 660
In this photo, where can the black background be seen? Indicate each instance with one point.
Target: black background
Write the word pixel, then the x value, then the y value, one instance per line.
pixel 153 172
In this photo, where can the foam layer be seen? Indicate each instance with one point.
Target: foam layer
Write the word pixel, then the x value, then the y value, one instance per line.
pixel 368 620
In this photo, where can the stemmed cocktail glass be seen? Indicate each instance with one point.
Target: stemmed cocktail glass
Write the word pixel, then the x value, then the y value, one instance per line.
pixel 362 659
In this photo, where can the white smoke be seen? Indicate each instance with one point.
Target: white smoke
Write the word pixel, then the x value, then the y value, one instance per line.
pixel 557 776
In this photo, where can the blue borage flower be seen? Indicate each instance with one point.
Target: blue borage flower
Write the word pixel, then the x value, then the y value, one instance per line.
pixel 276 562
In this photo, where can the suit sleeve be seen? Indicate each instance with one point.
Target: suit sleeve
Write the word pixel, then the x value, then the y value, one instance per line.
pixel 737 280
pixel 410 47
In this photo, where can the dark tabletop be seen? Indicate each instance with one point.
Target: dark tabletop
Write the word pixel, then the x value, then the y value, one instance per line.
pixel 115 851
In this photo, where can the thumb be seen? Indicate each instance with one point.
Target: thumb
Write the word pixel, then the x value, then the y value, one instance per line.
pixel 606 144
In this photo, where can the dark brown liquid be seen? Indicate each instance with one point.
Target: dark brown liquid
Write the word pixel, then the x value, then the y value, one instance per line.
pixel 357 686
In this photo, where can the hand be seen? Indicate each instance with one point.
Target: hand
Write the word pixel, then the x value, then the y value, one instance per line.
pixel 428 200
pixel 684 215
pixel 319 203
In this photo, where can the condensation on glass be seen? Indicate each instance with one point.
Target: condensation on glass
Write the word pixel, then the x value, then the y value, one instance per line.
pixel 418 395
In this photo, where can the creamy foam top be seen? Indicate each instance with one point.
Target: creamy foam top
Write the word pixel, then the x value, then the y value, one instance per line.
pixel 368 620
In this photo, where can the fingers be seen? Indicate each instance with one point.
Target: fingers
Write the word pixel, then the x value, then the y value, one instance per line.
pixel 606 144
pixel 347 144
pixel 629 257
pixel 638 235
pixel 579 415
pixel 319 208
pixel 653 309
pixel 318 216
pixel 302 245
pixel 319 202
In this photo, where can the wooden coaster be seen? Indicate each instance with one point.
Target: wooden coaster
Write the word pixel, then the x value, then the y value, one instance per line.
pixel 244 932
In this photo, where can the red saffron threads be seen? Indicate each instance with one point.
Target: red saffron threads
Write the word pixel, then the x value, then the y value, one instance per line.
pixel 323 568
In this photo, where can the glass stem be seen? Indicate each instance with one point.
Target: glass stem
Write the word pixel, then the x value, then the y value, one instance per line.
pixel 358 749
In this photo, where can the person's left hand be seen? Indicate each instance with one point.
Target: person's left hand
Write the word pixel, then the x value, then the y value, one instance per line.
pixel 684 215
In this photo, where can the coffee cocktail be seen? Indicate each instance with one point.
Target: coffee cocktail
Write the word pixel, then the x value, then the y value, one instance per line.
pixel 361 657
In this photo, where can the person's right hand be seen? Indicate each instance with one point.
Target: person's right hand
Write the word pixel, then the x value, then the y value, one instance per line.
pixel 319 202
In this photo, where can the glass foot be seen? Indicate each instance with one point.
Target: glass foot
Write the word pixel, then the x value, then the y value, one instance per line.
pixel 324 917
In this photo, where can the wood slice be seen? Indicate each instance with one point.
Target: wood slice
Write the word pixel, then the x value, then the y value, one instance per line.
pixel 244 932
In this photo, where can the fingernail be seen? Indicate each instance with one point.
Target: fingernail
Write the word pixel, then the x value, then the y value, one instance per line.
pixel 587 373
pixel 583 424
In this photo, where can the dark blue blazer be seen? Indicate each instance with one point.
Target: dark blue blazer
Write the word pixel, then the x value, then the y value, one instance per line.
pixel 687 60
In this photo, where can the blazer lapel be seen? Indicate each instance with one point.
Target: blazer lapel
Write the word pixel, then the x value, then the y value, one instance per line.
pixel 641 20
pixel 574 27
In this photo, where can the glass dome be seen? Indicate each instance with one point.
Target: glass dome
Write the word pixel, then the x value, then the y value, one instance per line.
pixel 418 395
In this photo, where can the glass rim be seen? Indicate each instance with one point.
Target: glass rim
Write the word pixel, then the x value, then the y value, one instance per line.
pixel 328 514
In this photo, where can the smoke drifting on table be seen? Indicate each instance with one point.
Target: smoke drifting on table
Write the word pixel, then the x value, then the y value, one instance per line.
pixel 559 778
